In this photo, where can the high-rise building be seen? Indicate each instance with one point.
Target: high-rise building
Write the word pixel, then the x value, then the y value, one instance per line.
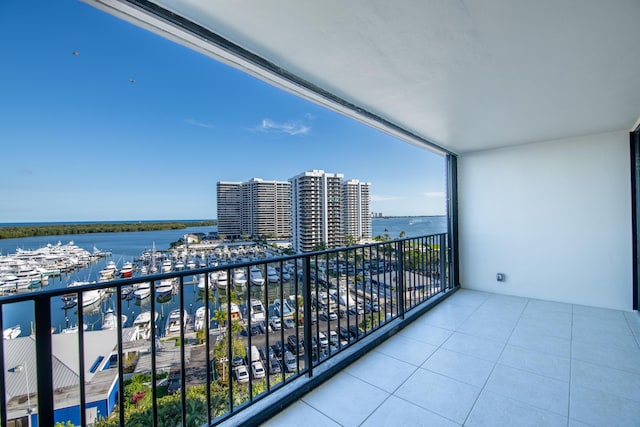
pixel 356 220
pixel 266 208
pixel 316 210
pixel 229 199
pixel 255 208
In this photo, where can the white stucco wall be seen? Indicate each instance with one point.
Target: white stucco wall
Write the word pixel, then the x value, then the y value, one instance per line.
pixel 555 217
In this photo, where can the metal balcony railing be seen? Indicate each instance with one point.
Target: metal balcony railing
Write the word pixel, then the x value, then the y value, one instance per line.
pixel 256 327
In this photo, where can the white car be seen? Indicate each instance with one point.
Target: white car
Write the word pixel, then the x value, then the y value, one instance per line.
pixel 333 337
pixel 322 338
pixel 258 370
pixel 241 373
pixel 289 361
pixel 276 323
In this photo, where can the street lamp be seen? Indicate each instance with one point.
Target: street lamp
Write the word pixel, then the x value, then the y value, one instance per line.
pixel 21 368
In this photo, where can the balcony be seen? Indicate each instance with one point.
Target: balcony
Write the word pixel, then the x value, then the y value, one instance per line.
pixel 487 359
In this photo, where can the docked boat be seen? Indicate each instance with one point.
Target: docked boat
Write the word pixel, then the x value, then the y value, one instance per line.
pixel 73 329
pixel 142 291
pixel 239 278
pixel 202 280
pixel 191 264
pixel 222 279
pixel 167 266
pixel 272 275
pixel 200 319
pixel 89 298
pixel 110 320
pixel 256 311
pixel 235 311
pixel 126 270
pixel 256 277
pixel 109 271
pixel 164 288
pixel 142 323
pixel 174 321
pixel 69 301
pixel 11 333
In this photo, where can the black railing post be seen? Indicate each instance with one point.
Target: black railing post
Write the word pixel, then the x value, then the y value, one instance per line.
pixel 80 325
pixel 400 276
pixel 306 277
pixel 443 262
pixel 3 404
pixel 120 358
pixel 44 363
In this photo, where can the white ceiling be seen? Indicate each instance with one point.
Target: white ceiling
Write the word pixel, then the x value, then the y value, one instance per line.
pixel 466 75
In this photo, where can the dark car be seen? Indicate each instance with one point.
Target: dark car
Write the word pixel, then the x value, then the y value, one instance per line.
pixel 274 366
pixel 354 331
pixel 295 345
pixel 257 329
pixel 343 333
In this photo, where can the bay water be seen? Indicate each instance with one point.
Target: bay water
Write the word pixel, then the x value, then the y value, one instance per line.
pixel 125 246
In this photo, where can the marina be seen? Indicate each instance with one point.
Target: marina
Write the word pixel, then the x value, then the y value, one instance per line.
pixel 100 257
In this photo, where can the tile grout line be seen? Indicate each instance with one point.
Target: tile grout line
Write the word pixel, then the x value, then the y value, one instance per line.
pixel 495 363
pixel 438 347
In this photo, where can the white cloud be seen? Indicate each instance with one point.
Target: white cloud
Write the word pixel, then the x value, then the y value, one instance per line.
pixel 193 122
pixel 376 198
pixel 291 127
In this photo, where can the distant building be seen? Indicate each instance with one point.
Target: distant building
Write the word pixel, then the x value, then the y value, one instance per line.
pixel 266 209
pixel 229 199
pixel 256 208
pixel 316 215
pixel 356 221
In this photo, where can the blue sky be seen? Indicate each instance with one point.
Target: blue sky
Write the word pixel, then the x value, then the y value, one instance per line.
pixel 135 127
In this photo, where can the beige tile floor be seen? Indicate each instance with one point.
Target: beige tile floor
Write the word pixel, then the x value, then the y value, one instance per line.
pixel 481 359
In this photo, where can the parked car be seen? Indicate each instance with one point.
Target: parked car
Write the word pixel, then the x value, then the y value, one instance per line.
pixel 241 374
pixel 343 333
pixel 290 361
pixel 275 323
pixel 257 329
pixel 322 338
pixel 328 315
pixel 257 370
pixel 354 331
pixel 274 366
pixel 288 323
pixel 295 345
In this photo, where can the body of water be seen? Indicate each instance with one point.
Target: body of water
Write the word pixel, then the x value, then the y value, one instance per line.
pixel 126 246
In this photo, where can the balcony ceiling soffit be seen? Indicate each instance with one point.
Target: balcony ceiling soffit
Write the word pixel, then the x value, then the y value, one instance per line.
pixel 466 75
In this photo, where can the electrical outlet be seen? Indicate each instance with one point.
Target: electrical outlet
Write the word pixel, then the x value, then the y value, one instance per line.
pixel 500 277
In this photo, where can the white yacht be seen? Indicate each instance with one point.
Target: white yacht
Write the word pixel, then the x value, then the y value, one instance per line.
pixel 174 321
pixel 272 275
pixel 110 320
pixel 222 279
pixel 239 278
pixel 200 319
pixel 142 324
pixel 164 288
pixel 256 277
pixel 11 333
pixel 256 311
pixel 143 290
pixel 91 297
